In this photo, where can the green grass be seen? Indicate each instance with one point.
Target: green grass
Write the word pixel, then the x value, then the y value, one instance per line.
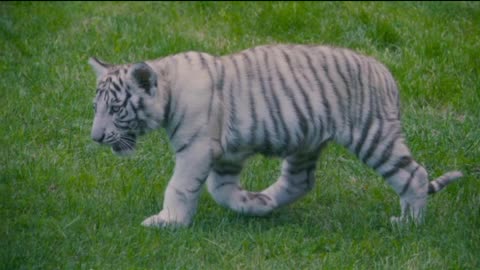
pixel 66 203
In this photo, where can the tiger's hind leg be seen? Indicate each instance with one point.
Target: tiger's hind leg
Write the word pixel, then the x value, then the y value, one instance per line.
pixel 296 179
pixel 384 150
pixel 223 184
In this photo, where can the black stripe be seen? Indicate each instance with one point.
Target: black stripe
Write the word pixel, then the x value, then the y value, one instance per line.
pixel 221 79
pixel 173 109
pixel 431 188
pixel 317 130
pixel 135 109
pixel 356 90
pixel 203 62
pixel 335 90
pixel 233 113
pixel 114 94
pixel 312 118
pixel 259 196
pixel 234 140
pixel 387 152
pixel 267 145
pixel 200 182
pixel 365 126
pixel 303 93
pixel 210 103
pixel 364 134
pixel 306 166
pixel 378 91
pixel 106 98
pixel 227 168
pixel 383 97
pixel 308 81
pixel 253 109
pixel 121 127
pixel 300 159
pixel 387 103
pixel 288 92
pixel 377 136
pixel 401 163
pixel 100 93
pixel 188 143
pixel 166 113
pixel 116 87
pixel 343 78
pixel 407 185
pixel 178 124
pixel 360 91
pixel 225 184
pixel 205 65
pixel 270 105
pixel 223 171
pixel 321 88
pixel 141 107
pixel 348 87
pixel 127 98
pixel 374 143
pixel 181 194
pixel 276 102
pixel 124 113
pixel 189 60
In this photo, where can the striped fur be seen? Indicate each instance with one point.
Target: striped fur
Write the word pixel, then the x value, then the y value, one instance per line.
pixel 280 100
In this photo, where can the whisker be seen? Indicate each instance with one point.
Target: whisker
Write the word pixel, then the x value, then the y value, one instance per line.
pixel 126 142
pixel 128 139
pixel 124 145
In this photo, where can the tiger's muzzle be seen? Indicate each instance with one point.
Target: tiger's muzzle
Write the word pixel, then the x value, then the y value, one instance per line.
pixel 122 144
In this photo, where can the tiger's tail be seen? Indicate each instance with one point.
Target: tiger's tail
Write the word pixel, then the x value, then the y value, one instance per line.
pixel 442 181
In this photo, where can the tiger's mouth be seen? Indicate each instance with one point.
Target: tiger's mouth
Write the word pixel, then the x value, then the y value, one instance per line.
pixel 125 145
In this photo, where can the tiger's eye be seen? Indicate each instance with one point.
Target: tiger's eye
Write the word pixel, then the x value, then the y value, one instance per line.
pixel 133 125
pixel 115 109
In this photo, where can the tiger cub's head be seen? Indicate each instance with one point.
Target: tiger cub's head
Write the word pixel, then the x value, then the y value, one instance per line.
pixel 125 105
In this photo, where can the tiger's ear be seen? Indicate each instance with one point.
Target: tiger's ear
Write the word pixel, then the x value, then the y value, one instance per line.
pixel 144 77
pixel 98 66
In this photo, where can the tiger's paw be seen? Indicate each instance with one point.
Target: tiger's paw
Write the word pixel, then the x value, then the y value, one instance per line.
pixel 404 220
pixel 396 220
pixel 164 220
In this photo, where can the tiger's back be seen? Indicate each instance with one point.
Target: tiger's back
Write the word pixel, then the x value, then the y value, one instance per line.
pixel 282 99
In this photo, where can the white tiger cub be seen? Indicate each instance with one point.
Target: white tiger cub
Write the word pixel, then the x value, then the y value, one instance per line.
pixel 282 100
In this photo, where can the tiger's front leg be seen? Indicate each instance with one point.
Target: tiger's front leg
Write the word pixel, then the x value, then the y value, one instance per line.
pixel 192 165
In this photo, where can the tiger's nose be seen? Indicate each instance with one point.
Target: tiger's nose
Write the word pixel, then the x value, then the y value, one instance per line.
pixel 98 129
pixel 99 139
pixel 98 136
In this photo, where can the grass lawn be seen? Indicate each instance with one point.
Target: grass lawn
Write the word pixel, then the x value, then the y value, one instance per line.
pixel 67 203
